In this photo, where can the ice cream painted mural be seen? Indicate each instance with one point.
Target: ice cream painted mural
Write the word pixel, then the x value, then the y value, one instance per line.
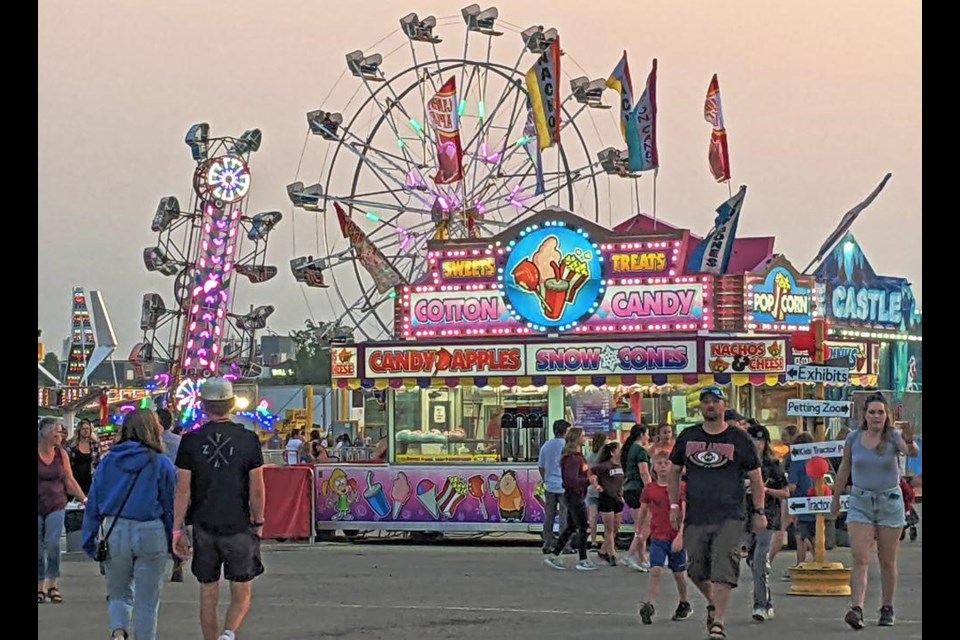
pixel 434 498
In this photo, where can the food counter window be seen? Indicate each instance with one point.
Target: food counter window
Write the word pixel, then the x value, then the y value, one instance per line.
pixel 676 404
pixel 466 424
pixel 770 408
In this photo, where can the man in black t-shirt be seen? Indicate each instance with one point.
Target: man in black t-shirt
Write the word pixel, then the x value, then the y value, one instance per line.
pixel 717 457
pixel 220 492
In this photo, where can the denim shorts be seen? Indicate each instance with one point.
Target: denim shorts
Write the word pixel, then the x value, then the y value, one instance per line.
pixel 661 555
pixel 593 501
pixel 878 508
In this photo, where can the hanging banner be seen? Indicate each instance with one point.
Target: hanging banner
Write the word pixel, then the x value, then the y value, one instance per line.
pixel 713 253
pixel 542 82
pixel 621 82
pixel 641 128
pixel 444 118
pixel 384 275
pixel 719 155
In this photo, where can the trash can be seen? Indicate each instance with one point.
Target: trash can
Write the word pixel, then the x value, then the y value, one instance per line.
pixel 73 524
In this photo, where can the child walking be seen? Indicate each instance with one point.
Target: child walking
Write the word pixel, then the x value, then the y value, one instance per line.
pixel 610 479
pixel 576 479
pixel 666 543
pixel 775 483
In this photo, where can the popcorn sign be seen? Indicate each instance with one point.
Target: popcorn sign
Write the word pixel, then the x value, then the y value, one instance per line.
pixel 781 300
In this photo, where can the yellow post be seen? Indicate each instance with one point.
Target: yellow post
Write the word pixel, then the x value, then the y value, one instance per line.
pixel 820 578
pixel 820 539
pixel 308 393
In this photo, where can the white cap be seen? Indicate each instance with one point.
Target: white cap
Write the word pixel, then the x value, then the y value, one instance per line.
pixel 216 389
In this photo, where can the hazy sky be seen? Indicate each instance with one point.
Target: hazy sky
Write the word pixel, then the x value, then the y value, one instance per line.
pixel 821 99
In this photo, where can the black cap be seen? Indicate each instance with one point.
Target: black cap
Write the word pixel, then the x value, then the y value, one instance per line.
pixel 731 415
pixel 759 432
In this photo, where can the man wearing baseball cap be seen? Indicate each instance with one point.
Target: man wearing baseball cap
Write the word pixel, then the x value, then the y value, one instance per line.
pixel 716 456
pixel 220 492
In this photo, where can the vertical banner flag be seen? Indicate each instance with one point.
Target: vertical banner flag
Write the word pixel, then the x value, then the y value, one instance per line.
pixel 384 275
pixel 442 111
pixel 620 82
pixel 713 253
pixel 719 154
pixel 532 148
pixel 847 221
pixel 642 128
pixel 544 89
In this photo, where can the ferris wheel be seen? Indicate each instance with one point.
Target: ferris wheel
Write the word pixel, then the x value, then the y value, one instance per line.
pixel 442 139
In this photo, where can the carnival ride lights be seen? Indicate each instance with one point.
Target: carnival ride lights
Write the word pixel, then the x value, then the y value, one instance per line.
pixel 202 246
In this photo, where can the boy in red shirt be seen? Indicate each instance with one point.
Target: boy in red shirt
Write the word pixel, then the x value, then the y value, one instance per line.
pixel 666 543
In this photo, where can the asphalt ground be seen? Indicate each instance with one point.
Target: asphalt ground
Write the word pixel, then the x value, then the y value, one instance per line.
pixel 487 589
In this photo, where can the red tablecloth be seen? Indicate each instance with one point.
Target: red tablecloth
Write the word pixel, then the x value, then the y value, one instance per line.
pixel 289 498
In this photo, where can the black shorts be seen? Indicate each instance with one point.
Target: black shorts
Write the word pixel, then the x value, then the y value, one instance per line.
pixel 609 504
pixel 632 498
pixel 238 554
pixel 805 530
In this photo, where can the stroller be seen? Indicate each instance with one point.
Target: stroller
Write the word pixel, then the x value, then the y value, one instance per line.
pixel 913 518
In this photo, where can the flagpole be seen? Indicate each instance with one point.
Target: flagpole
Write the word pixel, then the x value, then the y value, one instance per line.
pixel 730 188
pixel 636 195
pixel 656 172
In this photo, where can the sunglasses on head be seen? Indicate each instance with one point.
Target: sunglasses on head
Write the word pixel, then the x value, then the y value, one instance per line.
pixel 715 391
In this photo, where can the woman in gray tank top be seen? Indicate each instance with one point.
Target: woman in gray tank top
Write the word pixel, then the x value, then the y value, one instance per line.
pixel 875 510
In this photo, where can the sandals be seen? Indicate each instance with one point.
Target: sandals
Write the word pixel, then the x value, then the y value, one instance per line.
pixel 717 632
pixel 53 594
pixel 41 597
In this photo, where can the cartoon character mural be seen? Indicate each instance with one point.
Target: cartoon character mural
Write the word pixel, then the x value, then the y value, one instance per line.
pixel 340 492
pixel 510 500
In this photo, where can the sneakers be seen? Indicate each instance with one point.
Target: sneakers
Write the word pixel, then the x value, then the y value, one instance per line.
pixel 586 565
pixel 854 618
pixel 759 614
pixel 786 574
pixel 683 612
pixel 886 617
pixel 553 562
pixel 646 613
pixel 610 560
pixel 643 567
pixel 770 614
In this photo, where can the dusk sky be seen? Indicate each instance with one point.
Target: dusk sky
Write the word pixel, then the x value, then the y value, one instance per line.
pixel 821 99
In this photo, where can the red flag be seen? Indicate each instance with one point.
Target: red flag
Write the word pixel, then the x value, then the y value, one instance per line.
pixel 719 155
pixel 444 118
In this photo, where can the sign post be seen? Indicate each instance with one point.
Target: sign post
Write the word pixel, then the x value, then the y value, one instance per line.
pixel 819 578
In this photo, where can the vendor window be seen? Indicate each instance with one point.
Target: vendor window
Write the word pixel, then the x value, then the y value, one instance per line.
pixel 468 424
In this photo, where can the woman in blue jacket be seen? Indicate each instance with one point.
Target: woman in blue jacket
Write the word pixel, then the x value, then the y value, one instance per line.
pixel 131 504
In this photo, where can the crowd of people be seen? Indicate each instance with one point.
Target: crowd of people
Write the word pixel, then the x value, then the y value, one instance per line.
pixel 155 495
pixel 701 502
pixel 717 494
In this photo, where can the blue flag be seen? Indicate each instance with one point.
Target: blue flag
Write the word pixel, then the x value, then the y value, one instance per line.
pixel 713 253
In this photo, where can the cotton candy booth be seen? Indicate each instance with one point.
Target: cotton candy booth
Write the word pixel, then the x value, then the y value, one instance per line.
pixel 557 318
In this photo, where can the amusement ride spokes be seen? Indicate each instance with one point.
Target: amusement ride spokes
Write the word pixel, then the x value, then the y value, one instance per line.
pixel 446 148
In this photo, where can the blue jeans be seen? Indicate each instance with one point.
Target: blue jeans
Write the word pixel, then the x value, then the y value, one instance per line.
pixel 135 569
pixel 49 530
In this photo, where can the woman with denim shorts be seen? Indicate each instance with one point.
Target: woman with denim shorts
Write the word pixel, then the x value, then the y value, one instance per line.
pixel 875 511
pixel 593 495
